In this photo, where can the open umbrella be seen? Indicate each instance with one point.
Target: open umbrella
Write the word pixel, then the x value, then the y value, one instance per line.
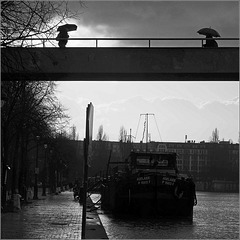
pixel 67 27
pixel 208 31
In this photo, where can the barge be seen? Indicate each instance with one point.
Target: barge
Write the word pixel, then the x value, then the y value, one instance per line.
pixel 149 184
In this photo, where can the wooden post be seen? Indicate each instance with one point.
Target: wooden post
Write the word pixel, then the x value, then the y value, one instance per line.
pixel 87 147
pixel 84 201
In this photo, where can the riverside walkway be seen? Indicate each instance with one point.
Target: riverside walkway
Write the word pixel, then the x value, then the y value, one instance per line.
pixel 51 217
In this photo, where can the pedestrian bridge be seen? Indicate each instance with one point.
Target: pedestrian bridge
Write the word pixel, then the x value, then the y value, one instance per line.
pixel 121 63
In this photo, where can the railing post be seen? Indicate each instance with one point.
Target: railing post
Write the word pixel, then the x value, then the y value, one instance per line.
pixel 149 42
pixel 96 43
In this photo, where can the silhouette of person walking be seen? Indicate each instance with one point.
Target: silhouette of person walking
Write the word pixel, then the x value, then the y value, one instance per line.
pixel 210 43
pixel 62 38
pixel 193 199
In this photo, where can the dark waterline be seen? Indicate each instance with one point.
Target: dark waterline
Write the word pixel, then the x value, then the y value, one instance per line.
pixel 215 217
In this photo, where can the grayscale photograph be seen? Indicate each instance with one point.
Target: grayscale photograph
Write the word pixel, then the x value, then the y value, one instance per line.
pixel 120 119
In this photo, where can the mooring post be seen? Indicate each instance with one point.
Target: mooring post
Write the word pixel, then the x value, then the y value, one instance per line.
pixel 87 148
pixel 84 201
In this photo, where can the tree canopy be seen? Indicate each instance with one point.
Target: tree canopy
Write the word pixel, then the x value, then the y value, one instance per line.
pixel 27 19
pixel 30 109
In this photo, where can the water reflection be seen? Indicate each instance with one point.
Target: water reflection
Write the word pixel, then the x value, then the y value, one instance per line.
pixel 216 216
pixel 145 228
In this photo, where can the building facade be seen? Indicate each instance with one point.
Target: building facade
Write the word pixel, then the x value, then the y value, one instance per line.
pixel 214 166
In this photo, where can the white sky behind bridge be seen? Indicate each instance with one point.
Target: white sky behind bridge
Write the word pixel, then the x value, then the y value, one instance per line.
pixel 189 108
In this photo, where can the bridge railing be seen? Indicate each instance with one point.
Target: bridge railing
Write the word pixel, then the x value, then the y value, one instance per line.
pixel 147 42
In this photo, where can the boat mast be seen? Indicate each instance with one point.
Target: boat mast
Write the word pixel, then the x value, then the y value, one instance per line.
pixel 147 132
pixel 146 115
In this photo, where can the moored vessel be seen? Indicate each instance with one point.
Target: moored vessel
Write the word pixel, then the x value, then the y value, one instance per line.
pixel 149 184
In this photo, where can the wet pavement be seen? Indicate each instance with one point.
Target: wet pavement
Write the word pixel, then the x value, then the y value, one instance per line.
pixel 51 217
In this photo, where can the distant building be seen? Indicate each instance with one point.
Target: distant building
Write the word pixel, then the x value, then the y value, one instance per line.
pixel 214 166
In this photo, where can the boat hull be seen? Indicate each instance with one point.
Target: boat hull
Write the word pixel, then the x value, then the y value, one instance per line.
pixel 149 184
pixel 154 207
pixel 146 201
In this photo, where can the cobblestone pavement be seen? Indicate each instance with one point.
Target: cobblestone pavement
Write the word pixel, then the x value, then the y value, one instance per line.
pixel 51 217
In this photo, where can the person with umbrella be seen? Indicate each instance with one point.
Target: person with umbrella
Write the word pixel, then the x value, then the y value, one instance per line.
pixel 209 33
pixel 63 36
pixel 210 42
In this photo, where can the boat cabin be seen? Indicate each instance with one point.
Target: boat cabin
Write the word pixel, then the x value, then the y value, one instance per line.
pixel 152 162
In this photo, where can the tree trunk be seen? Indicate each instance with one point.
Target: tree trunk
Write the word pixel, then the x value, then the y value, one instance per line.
pixel 15 170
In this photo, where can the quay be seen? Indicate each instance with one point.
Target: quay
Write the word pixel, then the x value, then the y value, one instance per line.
pixel 94 227
pixel 51 217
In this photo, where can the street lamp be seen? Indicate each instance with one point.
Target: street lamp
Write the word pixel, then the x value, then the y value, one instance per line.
pixel 44 171
pixel 35 196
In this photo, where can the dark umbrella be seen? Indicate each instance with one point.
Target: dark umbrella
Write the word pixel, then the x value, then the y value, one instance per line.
pixel 208 32
pixel 67 27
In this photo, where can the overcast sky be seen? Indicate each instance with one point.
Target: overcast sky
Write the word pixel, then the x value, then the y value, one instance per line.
pixel 178 19
pixel 190 108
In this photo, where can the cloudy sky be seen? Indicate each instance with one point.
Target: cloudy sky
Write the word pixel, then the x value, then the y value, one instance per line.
pixel 177 19
pixel 189 108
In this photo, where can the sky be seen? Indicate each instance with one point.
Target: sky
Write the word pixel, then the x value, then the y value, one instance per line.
pixel 180 108
pixel 159 19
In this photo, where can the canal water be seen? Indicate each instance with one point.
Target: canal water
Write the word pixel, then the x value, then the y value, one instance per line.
pixel 216 216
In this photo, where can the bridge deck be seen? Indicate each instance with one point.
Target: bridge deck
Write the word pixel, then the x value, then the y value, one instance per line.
pixel 128 63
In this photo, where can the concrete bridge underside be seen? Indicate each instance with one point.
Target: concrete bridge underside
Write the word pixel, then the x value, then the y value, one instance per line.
pixel 121 64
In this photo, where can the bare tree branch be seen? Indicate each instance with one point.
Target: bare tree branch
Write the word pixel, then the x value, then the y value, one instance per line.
pixel 26 19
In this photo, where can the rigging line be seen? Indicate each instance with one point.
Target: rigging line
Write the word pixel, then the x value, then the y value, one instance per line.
pixel 144 127
pixel 157 128
pixel 137 126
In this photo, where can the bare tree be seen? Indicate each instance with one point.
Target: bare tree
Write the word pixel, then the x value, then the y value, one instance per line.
pixel 215 136
pixel 123 134
pixel 30 109
pixel 101 136
pixel 26 19
pixel 73 134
